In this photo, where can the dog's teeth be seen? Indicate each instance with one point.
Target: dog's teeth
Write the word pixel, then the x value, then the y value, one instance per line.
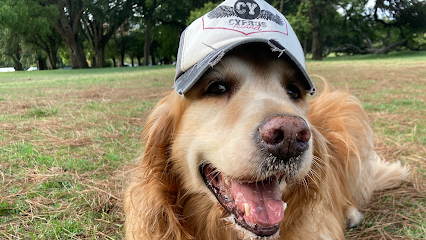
pixel 284 206
pixel 247 209
pixel 228 182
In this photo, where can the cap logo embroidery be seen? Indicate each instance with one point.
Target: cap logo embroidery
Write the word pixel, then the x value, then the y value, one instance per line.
pixel 247 9
pixel 245 17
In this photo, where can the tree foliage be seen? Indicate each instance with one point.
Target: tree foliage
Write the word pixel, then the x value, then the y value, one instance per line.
pixel 136 44
pixel 101 19
pixel 163 12
pixel 384 27
pixel 68 27
pixel 11 47
pixel 149 30
pixel 300 23
pixel 38 32
pixel 197 13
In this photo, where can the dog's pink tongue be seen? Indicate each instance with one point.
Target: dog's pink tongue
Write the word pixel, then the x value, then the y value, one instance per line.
pixel 263 199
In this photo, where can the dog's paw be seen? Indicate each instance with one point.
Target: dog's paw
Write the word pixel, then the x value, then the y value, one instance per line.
pixel 353 217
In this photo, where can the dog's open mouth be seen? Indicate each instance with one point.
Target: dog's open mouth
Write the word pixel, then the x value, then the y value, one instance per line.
pixel 256 206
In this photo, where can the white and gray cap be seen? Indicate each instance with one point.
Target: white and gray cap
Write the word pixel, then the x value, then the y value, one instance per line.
pixel 232 24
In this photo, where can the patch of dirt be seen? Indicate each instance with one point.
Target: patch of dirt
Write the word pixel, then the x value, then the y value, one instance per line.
pixel 14 108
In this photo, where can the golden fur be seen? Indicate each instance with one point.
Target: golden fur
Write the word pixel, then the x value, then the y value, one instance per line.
pixel 167 199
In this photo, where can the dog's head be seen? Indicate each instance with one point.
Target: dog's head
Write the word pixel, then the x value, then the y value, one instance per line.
pixel 243 136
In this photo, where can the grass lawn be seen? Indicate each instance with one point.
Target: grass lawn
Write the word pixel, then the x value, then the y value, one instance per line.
pixel 66 137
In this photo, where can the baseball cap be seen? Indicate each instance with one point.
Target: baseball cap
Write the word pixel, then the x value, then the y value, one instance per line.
pixel 231 24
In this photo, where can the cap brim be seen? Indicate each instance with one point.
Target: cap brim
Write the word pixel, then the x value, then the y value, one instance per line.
pixel 187 79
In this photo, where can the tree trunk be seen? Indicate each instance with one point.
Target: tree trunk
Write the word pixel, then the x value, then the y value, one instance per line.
pixel 148 40
pixel 114 64
pixel 315 19
pixel 100 58
pixel 166 60
pixel 139 61
pixel 281 6
pixel 68 26
pixel 370 49
pixel 153 60
pixel 17 60
pixel 93 62
pixel 99 40
pixel 316 42
pixel 41 63
pixel 76 53
pixel 133 62
pixel 51 59
pixel 408 45
pixel 122 58
pixel 52 52
pixel 305 45
pixel 391 47
pixel 18 66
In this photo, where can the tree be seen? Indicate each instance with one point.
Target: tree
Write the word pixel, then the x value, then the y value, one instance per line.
pixel 168 42
pixel 300 23
pixel 111 52
pixel 198 12
pixel 147 9
pixel 318 13
pixel 167 12
pixel 312 14
pixel 101 20
pixel 408 17
pixel 48 43
pixel 68 26
pixel 136 44
pixel 37 30
pixel 11 47
pixel 121 42
pixel 386 26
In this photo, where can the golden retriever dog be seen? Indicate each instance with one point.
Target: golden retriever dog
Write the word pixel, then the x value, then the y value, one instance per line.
pixel 239 151
pixel 247 155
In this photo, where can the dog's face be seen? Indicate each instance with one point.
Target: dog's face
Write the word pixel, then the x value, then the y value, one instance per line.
pixel 245 137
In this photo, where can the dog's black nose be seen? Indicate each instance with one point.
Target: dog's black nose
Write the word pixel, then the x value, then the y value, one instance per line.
pixel 285 137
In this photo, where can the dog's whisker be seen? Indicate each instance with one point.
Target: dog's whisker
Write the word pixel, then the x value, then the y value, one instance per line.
pixel 305 186
pixel 313 179
pixel 183 195
pixel 318 162
pixel 318 177
pixel 216 174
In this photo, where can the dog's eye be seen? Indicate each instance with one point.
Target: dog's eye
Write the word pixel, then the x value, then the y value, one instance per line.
pixel 217 88
pixel 293 91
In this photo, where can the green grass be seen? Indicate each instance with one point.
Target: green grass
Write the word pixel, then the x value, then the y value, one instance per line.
pixel 66 137
pixel 399 56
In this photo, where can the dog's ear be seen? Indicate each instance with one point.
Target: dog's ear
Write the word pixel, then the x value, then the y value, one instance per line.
pixel 150 201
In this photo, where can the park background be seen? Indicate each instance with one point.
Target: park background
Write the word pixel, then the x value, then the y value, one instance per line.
pixel 67 137
pixel 51 34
